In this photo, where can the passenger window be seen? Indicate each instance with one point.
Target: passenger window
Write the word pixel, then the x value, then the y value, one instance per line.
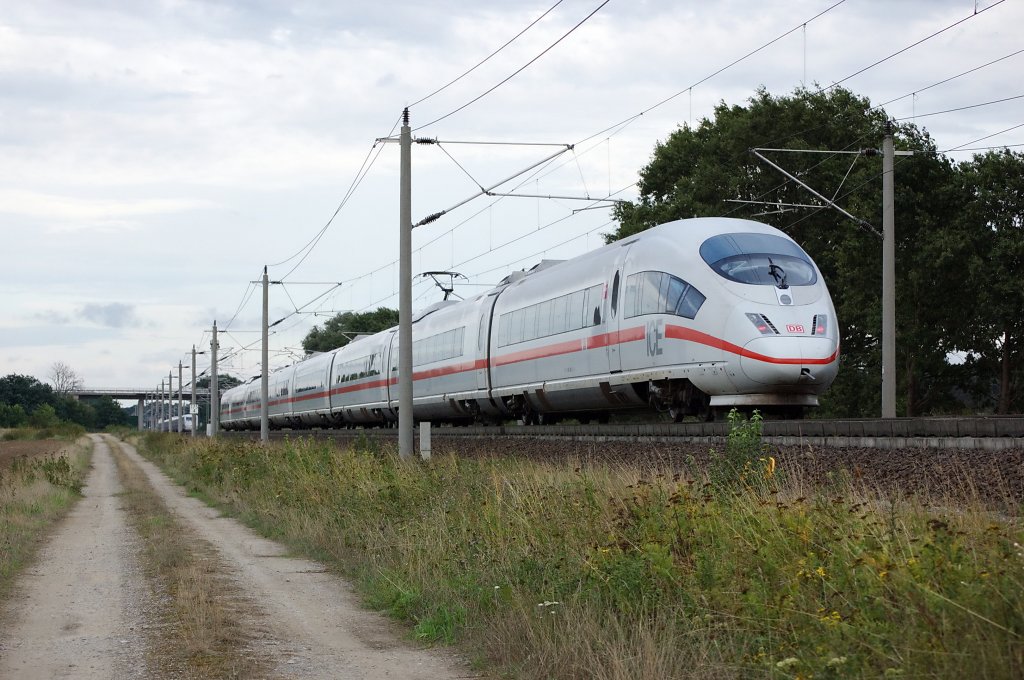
pixel 516 334
pixel 650 292
pixel 530 323
pixel 504 329
pixel 663 306
pixel 629 299
pixel 690 303
pixel 676 288
pixel 596 300
pixel 559 315
pixel 577 310
pixel 544 319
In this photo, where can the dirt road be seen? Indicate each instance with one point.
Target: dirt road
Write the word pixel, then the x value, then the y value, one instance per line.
pixel 78 612
pixel 82 611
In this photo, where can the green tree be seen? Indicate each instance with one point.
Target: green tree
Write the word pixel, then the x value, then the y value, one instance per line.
pixel 109 412
pixel 25 390
pixel 224 381
pixel 995 181
pixel 340 329
pixel 43 416
pixel 698 171
pixel 73 410
pixel 12 415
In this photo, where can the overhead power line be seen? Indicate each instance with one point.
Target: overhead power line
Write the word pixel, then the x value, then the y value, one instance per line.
pixel 360 175
pixel 913 45
pixel 961 108
pixel 516 72
pixel 488 57
pixel 943 82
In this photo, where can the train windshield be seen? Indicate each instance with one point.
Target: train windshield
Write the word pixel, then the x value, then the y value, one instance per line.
pixel 759 259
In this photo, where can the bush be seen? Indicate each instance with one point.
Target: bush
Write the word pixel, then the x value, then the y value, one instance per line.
pixel 43 417
pixel 12 415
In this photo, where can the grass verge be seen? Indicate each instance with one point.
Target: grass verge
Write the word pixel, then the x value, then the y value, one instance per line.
pixel 568 571
pixel 64 431
pixel 203 632
pixel 34 494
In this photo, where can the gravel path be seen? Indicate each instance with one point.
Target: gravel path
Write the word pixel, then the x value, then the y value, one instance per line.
pixel 78 613
pixel 81 612
pixel 313 626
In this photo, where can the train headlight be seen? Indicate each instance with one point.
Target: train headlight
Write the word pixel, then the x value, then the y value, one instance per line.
pixel 763 325
pixel 820 325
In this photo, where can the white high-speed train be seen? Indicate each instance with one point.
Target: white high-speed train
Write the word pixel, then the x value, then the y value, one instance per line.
pixel 171 424
pixel 688 317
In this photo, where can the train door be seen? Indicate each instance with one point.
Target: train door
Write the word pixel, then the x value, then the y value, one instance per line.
pixel 614 309
pixel 390 369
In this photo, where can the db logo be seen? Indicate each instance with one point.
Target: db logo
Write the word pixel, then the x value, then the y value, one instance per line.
pixel 795 328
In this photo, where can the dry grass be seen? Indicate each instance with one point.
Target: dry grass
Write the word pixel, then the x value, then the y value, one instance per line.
pixel 203 632
pixel 35 493
pixel 621 572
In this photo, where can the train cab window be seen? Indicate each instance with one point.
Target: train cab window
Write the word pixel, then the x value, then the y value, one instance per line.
pixel 759 259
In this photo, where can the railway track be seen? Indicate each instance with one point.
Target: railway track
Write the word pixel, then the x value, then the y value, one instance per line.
pixel 986 432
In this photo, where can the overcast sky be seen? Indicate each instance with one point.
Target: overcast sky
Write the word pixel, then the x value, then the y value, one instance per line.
pixel 154 156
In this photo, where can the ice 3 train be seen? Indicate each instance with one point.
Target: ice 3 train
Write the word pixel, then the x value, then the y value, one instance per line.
pixel 690 317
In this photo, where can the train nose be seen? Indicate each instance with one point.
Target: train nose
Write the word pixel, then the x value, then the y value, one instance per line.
pixel 790 361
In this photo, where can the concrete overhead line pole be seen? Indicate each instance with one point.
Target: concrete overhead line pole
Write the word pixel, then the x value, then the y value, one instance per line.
pixel 888 250
pixel 170 398
pixel 161 411
pixel 405 424
pixel 888 279
pixel 265 378
pixel 181 386
pixel 192 402
pixel 214 385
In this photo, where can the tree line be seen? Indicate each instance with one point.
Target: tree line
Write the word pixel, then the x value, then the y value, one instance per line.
pixel 959 242
pixel 26 401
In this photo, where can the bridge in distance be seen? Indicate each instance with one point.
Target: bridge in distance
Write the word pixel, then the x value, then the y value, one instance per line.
pixel 141 395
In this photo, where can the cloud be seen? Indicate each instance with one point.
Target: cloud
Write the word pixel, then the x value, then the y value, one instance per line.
pixel 113 315
pixel 87 212
pixel 52 316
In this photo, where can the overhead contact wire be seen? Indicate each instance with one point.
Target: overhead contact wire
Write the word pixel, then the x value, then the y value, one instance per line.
pixel 517 71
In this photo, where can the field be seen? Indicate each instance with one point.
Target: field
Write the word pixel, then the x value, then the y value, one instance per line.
pixel 733 568
pixel 10 451
pixel 39 481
